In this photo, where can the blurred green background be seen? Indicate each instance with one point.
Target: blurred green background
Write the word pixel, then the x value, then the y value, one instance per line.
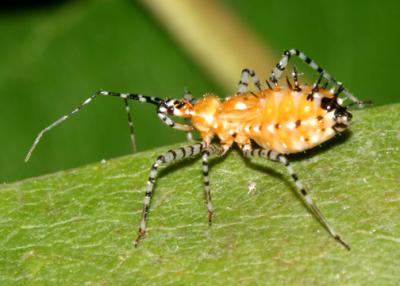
pixel 54 55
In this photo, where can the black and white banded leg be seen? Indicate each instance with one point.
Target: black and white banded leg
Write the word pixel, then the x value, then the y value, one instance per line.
pixel 206 180
pixel 211 149
pixel 170 157
pixel 275 156
pixel 281 65
pixel 126 96
pixel 187 95
pixel 244 80
pixel 130 125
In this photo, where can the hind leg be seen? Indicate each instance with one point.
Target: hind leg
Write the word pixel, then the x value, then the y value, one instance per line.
pixel 281 65
pixel 301 191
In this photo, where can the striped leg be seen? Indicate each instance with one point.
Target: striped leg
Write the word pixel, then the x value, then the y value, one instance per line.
pixel 275 156
pixel 168 157
pixel 206 180
pixel 125 96
pixel 130 124
pixel 211 149
pixel 172 156
pixel 281 65
pixel 187 95
pixel 244 81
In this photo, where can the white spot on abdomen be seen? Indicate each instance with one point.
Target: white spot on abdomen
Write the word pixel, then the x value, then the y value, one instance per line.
pixel 257 128
pixel 315 138
pixel 291 125
pixel 271 128
pixel 240 105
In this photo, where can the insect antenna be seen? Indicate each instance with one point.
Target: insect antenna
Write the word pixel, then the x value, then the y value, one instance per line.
pixel 125 96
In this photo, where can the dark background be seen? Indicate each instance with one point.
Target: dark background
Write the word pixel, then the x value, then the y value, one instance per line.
pixel 53 55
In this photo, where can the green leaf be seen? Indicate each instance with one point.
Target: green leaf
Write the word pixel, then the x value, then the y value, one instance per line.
pixel 76 227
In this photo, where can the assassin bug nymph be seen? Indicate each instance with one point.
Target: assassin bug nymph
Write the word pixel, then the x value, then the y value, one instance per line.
pixel 280 120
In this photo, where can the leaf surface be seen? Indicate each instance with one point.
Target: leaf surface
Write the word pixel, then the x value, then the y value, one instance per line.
pixel 76 227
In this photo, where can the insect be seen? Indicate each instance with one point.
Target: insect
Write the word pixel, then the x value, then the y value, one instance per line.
pixel 270 123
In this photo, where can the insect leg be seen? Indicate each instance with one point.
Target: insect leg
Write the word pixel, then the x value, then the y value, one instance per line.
pixel 169 157
pixel 244 80
pixel 125 96
pixel 212 149
pixel 207 193
pixel 187 95
pixel 275 156
pixel 281 65
pixel 130 125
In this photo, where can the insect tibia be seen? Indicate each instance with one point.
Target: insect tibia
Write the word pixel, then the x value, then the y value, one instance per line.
pixel 360 104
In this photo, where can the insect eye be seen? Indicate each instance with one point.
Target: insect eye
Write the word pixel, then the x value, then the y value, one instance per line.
pixel 170 109
pixel 328 103
pixel 179 105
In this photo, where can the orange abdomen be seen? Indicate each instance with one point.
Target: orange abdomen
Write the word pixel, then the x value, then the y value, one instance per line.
pixel 290 122
pixel 283 120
